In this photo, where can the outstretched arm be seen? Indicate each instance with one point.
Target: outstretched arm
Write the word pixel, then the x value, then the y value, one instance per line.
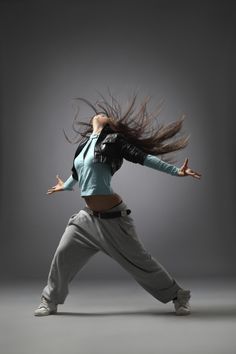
pixel 134 154
pixel 155 162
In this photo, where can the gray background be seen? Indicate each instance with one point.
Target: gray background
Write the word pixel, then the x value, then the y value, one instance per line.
pixel 182 51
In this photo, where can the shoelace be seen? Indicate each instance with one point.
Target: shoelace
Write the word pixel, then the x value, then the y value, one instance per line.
pixel 183 298
pixel 44 302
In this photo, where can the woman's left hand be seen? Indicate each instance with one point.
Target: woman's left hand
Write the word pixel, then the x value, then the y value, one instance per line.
pixel 185 171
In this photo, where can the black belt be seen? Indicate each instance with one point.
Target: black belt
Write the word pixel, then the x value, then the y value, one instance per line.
pixel 112 214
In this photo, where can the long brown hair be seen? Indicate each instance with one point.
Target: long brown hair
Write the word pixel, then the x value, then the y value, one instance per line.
pixel 135 133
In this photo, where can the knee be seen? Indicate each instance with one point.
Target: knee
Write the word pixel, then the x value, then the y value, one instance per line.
pixel 61 251
pixel 65 244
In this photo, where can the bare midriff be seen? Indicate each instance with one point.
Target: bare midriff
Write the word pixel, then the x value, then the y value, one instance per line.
pixel 102 202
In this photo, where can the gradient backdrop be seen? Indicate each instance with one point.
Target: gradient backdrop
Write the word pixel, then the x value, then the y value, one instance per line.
pixel 182 51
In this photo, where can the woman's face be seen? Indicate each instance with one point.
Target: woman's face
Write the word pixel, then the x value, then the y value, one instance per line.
pixel 101 118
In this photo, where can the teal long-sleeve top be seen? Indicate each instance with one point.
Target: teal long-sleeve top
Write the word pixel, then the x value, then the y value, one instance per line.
pixel 95 178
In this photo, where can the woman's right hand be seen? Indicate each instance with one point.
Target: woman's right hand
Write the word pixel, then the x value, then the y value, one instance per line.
pixel 56 188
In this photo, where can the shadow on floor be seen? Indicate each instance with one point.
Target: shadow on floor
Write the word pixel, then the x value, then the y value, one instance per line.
pixel 197 312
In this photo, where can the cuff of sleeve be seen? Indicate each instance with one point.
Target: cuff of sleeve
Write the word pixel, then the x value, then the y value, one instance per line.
pixel 176 172
pixel 69 183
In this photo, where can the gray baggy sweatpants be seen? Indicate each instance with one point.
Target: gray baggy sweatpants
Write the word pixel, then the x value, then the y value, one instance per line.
pixel 86 234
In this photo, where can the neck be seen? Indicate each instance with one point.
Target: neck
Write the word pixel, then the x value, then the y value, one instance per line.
pixel 96 131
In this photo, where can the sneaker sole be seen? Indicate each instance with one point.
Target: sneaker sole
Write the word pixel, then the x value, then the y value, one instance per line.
pixel 182 313
pixel 45 314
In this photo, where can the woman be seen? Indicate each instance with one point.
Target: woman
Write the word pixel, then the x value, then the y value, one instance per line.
pixel 104 223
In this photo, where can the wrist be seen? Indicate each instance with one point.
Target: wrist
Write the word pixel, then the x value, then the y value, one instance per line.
pixel 180 173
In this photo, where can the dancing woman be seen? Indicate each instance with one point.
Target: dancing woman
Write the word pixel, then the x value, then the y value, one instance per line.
pixel 104 223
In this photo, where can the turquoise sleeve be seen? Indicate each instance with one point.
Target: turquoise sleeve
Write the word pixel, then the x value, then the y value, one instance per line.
pixel 158 164
pixel 69 183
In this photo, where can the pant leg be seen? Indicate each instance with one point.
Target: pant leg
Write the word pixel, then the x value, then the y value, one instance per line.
pixel 73 252
pixel 121 242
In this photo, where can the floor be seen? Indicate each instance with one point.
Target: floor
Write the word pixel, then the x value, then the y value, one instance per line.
pixel 119 317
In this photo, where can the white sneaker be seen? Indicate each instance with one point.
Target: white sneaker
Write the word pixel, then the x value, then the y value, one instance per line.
pixel 45 308
pixel 182 306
